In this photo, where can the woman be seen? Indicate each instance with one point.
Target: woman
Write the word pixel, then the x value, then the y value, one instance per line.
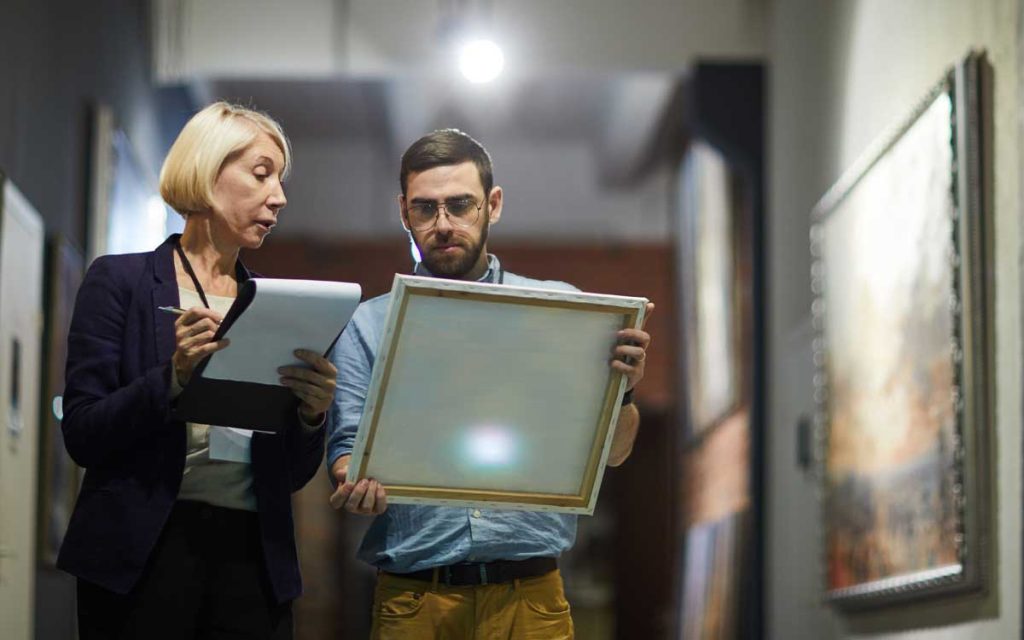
pixel 166 539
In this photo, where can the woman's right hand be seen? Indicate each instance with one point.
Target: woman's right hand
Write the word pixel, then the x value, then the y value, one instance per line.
pixel 193 333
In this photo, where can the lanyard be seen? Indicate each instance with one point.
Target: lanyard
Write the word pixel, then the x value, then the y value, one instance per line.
pixel 192 274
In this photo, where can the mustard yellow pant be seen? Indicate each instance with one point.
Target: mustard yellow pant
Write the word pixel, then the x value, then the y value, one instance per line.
pixel 530 609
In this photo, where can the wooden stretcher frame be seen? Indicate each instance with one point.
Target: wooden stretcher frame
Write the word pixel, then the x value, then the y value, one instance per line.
pixel 408 291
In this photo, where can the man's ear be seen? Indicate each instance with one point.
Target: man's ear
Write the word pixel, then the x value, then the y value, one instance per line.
pixel 494 202
pixel 401 211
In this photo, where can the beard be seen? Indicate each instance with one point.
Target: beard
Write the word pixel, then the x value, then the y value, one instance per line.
pixel 454 267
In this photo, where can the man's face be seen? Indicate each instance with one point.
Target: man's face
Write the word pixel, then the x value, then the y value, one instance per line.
pixel 449 249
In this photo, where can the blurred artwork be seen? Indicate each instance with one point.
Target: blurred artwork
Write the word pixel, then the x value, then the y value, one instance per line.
pixel 58 486
pixel 712 579
pixel 709 287
pixel 126 213
pixel 890 375
pixel 890 452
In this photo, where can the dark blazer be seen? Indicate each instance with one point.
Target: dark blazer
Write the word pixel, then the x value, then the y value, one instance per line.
pixel 118 426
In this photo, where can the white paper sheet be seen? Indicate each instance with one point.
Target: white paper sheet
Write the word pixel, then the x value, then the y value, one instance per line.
pixel 285 315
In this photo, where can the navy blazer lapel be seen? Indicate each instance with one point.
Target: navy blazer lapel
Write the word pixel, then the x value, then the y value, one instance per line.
pixel 165 294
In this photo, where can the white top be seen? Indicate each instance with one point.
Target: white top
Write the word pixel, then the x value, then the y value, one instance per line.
pixel 217 482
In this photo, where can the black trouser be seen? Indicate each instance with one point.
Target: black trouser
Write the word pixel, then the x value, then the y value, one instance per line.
pixel 205 580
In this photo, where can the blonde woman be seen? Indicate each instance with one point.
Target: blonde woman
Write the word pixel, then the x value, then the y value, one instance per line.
pixel 165 540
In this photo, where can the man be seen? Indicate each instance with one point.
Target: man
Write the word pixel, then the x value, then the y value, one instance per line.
pixel 457 573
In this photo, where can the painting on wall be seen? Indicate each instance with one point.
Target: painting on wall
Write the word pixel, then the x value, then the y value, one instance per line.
pixel 126 213
pixel 709 288
pixel 900 313
pixel 59 476
pixel 712 579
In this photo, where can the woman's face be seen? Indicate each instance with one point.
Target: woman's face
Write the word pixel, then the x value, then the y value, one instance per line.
pixel 248 193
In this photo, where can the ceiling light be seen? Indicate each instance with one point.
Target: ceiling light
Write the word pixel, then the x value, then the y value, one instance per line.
pixel 481 61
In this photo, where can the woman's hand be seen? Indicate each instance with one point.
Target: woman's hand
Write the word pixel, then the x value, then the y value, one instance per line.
pixel 193 334
pixel 314 387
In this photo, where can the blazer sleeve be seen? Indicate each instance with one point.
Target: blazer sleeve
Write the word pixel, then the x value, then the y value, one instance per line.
pixel 305 446
pixel 103 417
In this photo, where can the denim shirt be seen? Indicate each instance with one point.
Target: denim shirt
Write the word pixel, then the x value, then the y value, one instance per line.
pixel 408 537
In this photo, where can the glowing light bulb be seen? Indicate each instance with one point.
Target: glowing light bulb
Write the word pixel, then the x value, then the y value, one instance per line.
pixel 481 61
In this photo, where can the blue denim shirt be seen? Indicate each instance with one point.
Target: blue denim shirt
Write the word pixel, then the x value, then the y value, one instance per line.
pixel 413 537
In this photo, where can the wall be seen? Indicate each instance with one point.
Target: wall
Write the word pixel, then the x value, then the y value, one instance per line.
pixel 209 38
pixel 348 188
pixel 69 55
pixel 338 587
pixel 58 58
pixel 841 74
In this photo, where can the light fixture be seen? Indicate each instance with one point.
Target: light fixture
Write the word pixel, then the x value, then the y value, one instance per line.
pixel 481 60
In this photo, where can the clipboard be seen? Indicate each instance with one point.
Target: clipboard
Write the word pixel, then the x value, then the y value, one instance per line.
pixel 270 318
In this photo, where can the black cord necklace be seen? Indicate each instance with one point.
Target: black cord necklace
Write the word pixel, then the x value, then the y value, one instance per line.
pixel 191 273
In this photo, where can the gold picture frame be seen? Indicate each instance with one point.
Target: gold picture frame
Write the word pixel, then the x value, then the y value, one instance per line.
pixel 902 353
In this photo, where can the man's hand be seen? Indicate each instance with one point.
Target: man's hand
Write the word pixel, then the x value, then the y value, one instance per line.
pixel 630 351
pixel 366 497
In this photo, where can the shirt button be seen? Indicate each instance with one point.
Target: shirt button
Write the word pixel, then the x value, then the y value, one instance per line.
pixel 476 513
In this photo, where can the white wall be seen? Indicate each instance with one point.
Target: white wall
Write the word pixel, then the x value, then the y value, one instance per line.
pixel 552 193
pixel 841 74
pixel 268 38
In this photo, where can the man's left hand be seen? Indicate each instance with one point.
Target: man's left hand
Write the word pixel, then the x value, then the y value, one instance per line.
pixel 630 351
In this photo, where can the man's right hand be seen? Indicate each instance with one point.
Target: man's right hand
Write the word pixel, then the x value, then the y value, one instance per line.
pixel 366 497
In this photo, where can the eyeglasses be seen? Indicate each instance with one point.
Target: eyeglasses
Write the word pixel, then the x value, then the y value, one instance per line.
pixel 423 215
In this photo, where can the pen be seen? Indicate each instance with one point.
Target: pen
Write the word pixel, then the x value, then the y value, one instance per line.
pixel 172 310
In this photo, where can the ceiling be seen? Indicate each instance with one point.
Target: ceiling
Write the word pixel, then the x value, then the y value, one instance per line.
pixel 590 97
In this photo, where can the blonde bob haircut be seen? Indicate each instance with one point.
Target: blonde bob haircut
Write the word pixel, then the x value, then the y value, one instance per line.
pixel 204 146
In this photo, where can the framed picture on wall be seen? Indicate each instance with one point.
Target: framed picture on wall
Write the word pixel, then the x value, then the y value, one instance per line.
pixel 58 478
pixel 902 352
pixel 125 213
pixel 712 576
pixel 710 289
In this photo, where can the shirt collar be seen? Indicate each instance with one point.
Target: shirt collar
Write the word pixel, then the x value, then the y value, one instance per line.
pixel 490 276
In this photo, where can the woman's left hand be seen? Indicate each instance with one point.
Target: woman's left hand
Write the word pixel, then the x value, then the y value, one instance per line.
pixel 313 387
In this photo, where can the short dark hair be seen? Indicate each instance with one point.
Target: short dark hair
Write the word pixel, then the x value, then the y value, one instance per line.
pixel 446 147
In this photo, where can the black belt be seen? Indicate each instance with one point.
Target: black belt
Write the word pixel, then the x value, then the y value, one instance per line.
pixel 466 574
